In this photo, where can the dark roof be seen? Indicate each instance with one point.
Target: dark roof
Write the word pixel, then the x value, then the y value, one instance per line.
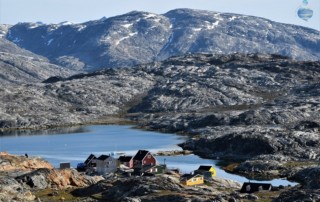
pixel 90 158
pixel 189 176
pixel 140 155
pixel 103 157
pixel 254 187
pixel 125 158
pixel 206 168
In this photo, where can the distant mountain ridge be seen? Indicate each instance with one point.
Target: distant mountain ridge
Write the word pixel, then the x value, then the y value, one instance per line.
pixel 142 37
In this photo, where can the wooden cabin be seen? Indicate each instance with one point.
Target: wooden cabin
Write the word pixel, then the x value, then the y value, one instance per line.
pixel 144 158
pixel 192 179
pixel 207 171
pixel 251 187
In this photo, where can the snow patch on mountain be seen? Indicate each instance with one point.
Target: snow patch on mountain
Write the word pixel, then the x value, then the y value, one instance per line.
pixel 64 23
pixel 126 37
pixel 127 25
pixel 49 42
pixel 17 40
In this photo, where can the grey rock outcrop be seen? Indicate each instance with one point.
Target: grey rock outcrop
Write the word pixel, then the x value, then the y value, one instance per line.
pixel 159 188
pixel 308 177
pixel 297 195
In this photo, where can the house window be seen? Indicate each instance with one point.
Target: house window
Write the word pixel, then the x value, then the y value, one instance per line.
pixel 149 156
pixel 144 162
pixel 248 188
pixel 194 179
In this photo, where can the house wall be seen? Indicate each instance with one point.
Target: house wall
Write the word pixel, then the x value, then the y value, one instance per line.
pixel 148 160
pixel 107 166
pixel 193 181
pixel 213 172
pixel 128 164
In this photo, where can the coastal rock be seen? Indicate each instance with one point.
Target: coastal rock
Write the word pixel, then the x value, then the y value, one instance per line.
pixel 60 179
pixel 11 190
pixel 9 162
pixel 159 188
pixel 297 195
pixel 308 177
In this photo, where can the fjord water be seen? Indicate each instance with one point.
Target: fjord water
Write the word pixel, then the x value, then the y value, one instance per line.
pixel 75 144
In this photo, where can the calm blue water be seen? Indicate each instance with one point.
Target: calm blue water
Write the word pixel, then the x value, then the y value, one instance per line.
pixel 75 145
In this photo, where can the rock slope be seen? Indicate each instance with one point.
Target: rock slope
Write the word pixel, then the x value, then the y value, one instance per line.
pixel 141 37
pixel 19 66
pixel 21 177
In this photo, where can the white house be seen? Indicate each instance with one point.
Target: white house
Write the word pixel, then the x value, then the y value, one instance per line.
pixel 105 164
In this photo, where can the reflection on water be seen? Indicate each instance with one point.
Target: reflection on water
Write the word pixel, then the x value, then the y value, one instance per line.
pixel 51 131
pixel 75 144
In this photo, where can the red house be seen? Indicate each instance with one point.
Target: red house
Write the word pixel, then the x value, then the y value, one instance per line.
pixel 126 161
pixel 143 158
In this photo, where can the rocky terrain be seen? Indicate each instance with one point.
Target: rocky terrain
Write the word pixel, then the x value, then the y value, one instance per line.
pixel 142 37
pixel 19 66
pixel 159 188
pixel 22 178
pixel 261 109
pixel 267 101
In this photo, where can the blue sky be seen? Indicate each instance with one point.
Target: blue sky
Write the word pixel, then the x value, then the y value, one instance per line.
pixel 55 11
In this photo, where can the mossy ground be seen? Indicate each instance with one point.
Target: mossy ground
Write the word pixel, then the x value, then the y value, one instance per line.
pixel 56 195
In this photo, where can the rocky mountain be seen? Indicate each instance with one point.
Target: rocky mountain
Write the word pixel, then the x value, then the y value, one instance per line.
pixel 141 37
pixel 18 65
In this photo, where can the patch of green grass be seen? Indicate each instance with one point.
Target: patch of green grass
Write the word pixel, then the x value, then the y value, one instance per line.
pixel 52 195
pixel 292 164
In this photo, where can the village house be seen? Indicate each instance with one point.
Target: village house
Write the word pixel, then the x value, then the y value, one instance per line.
pixel 144 158
pixel 251 187
pixel 126 161
pixel 105 164
pixel 207 171
pixel 88 165
pixel 192 179
pixel 89 161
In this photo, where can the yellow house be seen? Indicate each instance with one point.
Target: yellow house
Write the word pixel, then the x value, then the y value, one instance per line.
pixel 207 171
pixel 191 180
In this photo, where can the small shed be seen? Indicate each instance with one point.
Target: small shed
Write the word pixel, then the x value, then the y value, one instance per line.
pixel 251 187
pixel 65 165
pixel 207 171
pixel 192 179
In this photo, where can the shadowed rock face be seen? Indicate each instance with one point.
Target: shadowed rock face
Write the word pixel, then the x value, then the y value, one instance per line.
pixel 141 37
pixel 308 177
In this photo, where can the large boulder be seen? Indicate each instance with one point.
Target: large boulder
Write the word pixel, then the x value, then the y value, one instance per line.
pixel 308 177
